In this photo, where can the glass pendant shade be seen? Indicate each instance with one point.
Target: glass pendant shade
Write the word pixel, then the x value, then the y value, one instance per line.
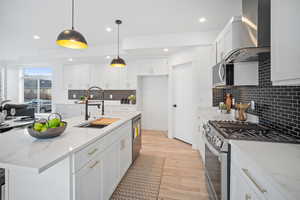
pixel 118 62
pixel 71 39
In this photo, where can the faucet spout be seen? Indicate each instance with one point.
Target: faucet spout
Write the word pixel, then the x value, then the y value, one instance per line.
pixel 87 101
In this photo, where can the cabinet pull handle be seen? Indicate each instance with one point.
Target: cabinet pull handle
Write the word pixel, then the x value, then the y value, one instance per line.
pixel 247 197
pixel 92 152
pixel 247 173
pixel 94 165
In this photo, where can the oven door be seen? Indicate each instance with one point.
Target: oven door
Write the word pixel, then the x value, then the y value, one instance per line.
pixel 216 172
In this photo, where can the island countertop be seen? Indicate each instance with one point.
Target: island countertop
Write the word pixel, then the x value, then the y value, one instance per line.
pixel 19 149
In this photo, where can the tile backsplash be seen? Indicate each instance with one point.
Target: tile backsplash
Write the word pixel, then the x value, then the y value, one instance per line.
pixel 114 95
pixel 277 107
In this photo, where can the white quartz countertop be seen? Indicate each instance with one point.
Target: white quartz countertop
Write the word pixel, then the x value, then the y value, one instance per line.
pixel 19 149
pixel 280 162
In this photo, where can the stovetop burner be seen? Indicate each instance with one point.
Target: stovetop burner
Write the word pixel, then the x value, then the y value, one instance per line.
pixel 251 131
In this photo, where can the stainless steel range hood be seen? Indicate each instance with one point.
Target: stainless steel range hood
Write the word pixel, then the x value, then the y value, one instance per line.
pixel 256 20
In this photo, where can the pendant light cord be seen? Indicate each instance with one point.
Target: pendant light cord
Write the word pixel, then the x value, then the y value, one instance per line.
pixel 118 40
pixel 72 14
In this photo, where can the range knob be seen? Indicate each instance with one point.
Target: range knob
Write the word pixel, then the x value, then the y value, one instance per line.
pixel 217 141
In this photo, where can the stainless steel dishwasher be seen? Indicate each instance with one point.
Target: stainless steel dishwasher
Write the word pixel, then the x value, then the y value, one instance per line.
pixel 136 136
pixel 2 186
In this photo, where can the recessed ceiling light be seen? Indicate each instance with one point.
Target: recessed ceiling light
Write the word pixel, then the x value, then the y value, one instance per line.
pixel 107 57
pixel 70 59
pixel 202 19
pixel 166 50
pixel 108 29
pixel 36 37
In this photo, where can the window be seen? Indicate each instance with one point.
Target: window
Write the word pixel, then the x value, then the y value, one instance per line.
pixel 37 89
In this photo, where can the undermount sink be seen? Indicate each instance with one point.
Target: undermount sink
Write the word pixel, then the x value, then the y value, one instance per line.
pixel 98 123
pixel 89 125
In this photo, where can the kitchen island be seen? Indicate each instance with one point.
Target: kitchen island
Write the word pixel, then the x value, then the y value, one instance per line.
pixel 83 163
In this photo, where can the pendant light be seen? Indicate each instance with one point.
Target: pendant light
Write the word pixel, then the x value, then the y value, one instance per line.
pixel 118 62
pixel 70 38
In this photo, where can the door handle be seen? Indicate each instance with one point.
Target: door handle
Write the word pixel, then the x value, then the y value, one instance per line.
pixel 175 105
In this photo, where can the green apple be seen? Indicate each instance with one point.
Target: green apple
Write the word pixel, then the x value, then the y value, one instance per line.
pixel 53 123
pixel 44 129
pixel 38 126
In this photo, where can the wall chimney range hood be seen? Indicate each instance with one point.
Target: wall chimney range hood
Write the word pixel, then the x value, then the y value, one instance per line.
pixel 256 22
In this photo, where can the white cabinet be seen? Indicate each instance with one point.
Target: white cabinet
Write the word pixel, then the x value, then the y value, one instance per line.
pixel 76 76
pixel 246 73
pixel 239 188
pixel 285 40
pixel 233 36
pixel 89 181
pixel 214 54
pixel 99 167
pixel 125 147
pixel 110 170
pixel 248 181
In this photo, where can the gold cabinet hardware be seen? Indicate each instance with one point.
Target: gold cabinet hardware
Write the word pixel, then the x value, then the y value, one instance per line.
pixel 94 165
pixel 247 173
pixel 93 151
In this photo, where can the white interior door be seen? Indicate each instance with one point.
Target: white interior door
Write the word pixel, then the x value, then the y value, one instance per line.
pixel 183 102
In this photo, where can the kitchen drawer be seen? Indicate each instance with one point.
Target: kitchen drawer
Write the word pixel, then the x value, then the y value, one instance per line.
pixel 88 153
pixel 85 155
pixel 255 177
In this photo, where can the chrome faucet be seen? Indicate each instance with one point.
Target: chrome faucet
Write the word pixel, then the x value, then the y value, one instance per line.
pixel 87 101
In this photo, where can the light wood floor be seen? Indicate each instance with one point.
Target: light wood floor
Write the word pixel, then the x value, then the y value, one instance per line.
pixel 183 173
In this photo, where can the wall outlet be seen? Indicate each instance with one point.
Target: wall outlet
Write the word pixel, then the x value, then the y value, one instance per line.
pixel 74 96
pixel 110 96
pixel 252 105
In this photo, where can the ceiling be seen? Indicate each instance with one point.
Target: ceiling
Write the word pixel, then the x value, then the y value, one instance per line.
pixel 20 20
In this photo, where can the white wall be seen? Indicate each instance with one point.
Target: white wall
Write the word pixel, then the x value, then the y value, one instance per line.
pixel 201 58
pixel 14 82
pixel 154 94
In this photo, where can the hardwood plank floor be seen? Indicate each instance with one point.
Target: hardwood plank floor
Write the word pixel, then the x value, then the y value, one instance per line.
pixel 183 172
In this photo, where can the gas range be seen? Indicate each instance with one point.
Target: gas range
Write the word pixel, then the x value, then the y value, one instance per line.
pixel 235 130
pixel 217 150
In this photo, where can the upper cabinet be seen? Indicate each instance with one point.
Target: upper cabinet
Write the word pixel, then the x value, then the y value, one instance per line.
pixel 76 77
pixel 285 37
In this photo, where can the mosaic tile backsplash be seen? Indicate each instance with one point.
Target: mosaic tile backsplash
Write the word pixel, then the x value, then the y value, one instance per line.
pixel 277 107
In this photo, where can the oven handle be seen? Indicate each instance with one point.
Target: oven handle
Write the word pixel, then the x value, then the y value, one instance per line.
pixel 212 149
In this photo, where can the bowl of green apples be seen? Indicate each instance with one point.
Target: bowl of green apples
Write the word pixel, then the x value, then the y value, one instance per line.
pixel 48 128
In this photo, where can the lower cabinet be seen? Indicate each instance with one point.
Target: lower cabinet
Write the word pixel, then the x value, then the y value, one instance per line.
pixel 110 170
pixel 89 181
pixel 239 188
pixel 100 176
pixel 125 154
